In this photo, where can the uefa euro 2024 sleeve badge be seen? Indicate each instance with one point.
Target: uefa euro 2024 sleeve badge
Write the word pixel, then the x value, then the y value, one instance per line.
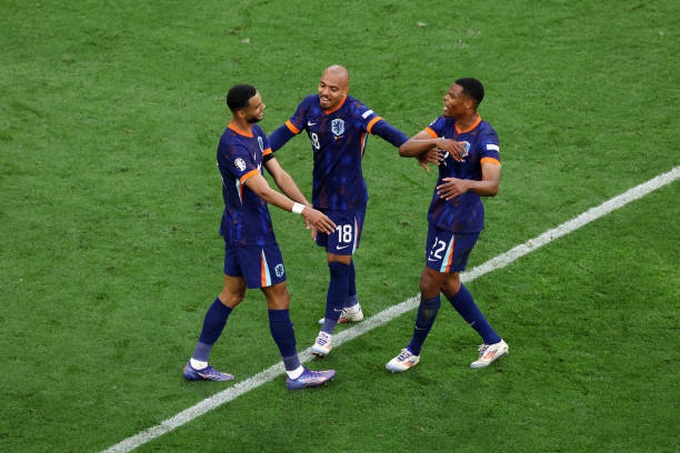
pixel 240 163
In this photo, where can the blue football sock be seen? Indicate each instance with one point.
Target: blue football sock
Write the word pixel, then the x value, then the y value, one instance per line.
pixel 465 305
pixel 213 325
pixel 351 301
pixel 337 294
pixel 427 313
pixel 283 334
pixel 352 298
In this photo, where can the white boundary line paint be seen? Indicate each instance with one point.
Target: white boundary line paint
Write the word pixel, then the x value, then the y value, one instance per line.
pixel 390 313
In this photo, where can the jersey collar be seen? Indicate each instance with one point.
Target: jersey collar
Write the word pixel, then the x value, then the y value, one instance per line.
pixel 328 112
pixel 474 125
pixel 239 131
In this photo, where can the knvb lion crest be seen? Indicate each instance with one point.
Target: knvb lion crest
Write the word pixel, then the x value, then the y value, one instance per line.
pixel 278 269
pixel 338 127
pixel 466 148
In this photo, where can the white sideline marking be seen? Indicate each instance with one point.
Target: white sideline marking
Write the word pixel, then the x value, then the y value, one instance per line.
pixel 390 313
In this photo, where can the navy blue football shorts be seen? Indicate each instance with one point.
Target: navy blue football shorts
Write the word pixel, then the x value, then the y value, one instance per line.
pixel 448 252
pixel 345 239
pixel 260 267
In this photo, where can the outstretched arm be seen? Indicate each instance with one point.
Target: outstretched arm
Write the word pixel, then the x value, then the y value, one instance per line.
pixel 387 132
pixel 423 142
pixel 285 182
pixel 433 150
pixel 280 137
pixel 317 219
pixel 396 137
pixel 423 147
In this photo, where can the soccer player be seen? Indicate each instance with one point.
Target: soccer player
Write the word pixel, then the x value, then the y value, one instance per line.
pixel 252 258
pixel 338 126
pixel 469 168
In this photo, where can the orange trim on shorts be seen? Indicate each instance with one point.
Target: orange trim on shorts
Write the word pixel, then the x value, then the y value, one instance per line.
pixel 263 273
pixel 452 249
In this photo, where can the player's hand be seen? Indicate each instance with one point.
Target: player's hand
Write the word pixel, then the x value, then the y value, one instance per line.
pixel 318 220
pixel 308 224
pixel 452 188
pixel 431 156
pixel 452 148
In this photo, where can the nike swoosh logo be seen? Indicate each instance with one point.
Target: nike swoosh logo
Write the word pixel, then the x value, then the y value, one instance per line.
pixel 430 259
pixel 341 247
pixel 310 124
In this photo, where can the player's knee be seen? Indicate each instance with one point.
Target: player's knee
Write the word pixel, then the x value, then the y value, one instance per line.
pixel 231 299
pixel 451 284
pixel 430 283
pixel 278 297
pixel 342 259
pixel 338 269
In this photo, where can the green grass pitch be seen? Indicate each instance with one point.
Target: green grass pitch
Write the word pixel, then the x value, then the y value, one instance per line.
pixel 110 202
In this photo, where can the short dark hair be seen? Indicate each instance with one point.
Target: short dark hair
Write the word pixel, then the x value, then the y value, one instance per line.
pixel 239 96
pixel 473 88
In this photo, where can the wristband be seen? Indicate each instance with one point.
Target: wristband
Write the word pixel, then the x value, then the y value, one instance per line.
pixel 297 208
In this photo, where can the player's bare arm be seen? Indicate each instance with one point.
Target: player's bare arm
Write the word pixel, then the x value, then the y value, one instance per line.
pixel 285 182
pixel 418 144
pixel 487 187
pixel 312 217
pixel 288 186
pixel 429 150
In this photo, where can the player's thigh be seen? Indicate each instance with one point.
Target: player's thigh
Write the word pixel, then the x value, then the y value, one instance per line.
pixel 431 282
pixel 233 291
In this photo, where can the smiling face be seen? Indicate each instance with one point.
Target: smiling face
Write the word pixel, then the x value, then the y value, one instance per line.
pixel 253 112
pixel 333 87
pixel 456 103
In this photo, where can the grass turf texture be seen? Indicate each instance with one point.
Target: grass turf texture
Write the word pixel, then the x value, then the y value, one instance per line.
pixel 109 117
